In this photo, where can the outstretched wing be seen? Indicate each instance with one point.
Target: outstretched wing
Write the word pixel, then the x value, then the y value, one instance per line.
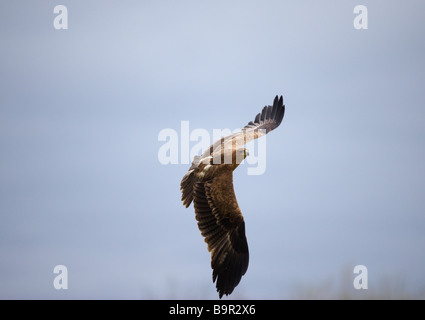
pixel 221 223
pixel 267 120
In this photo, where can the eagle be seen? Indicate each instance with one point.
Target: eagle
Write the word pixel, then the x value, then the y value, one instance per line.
pixel 209 185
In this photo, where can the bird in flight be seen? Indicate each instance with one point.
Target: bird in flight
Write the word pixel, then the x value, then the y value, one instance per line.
pixel 209 184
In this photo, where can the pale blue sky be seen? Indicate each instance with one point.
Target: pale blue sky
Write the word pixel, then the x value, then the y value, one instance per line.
pixel 81 110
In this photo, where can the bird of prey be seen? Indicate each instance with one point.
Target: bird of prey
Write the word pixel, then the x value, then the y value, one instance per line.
pixel 209 184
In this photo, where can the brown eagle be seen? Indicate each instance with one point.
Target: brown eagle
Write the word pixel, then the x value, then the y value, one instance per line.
pixel 209 184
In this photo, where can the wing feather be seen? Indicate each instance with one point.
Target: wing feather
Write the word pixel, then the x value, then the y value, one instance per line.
pixel 265 121
pixel 222 225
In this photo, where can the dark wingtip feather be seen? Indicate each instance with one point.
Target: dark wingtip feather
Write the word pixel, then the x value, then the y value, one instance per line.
pixel 269 113
pixel 274 110
pixel 270 116
pixel 257 118
pixel 228 272
pixel 263 114
pixel 281 110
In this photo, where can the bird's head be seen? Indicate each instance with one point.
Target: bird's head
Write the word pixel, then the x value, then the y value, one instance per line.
pixel 241 154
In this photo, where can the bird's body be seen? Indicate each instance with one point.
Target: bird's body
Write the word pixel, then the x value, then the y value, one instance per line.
pixel 209 184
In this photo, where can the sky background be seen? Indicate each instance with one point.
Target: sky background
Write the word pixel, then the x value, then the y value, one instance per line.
pixel 80 113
